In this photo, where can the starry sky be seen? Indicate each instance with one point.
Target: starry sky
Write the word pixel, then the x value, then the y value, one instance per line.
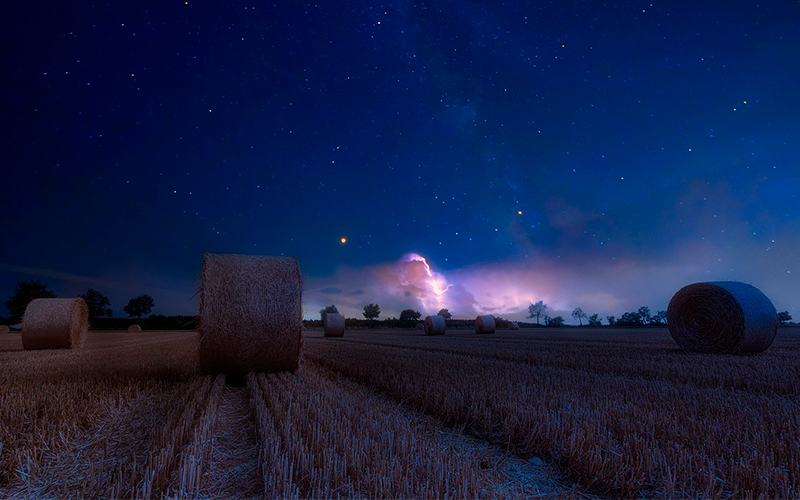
pixel 476 155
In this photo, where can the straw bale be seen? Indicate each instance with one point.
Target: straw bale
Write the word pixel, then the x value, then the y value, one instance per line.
pixel 484 324
pixel 134 328
pixel 722 317
pixel 420 326
pixel 251 314
pixel 334 325
pixel 513 326
pixel 4 329
pixel 55 324
pixel 434 325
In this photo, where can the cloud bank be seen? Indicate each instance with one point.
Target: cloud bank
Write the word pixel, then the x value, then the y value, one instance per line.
pixel 500 288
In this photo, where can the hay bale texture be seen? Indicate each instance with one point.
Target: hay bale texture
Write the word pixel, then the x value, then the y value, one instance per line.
pixel 251 314
pixel 334 325
pixel 513 326
pixel 434 325
pixel 134 328
pixel 55 324
pixel 722 317
pixel 4 329
pixel 484 324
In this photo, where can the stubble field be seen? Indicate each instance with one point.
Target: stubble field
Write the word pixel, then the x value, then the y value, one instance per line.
pixel 538 413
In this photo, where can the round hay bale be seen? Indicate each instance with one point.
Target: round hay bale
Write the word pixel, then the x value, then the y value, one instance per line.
pixel 134 328
pixel 55 324
pixel 513 325
pixel 434 325
pixel 4 329
pixel 420 326
pixel 334 325
pixel 251 314
pixel 484 324
pixel 722 317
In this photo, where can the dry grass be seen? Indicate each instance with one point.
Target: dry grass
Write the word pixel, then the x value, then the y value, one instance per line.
pixel 324 437
pixel 79 421
pixel 251 314
pixel 128 417
pixel 625 416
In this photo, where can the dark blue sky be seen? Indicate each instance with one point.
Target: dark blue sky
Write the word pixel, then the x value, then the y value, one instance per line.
pixel 587 154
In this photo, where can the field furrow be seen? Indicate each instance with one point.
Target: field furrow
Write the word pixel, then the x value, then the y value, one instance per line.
pixel 616 434
pixel 323 436
pixel 79 421
pixel 655 356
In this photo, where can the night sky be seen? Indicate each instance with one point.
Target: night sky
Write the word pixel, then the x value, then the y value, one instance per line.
pixel 583 153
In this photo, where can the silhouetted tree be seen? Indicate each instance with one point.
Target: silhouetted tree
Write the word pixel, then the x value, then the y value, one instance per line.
pixel 139 306
pixel 409 314
pixel 660 317
pixel 784 317
pixel 97 303
pixel 327 309
pixel 444 313
pixel 24 293
pixel 630 319
pixel 536 310
pixel 557 321
pixel 594 320
pixel 644 314
pixel 371 311
pixel 611 320
pixel 578 314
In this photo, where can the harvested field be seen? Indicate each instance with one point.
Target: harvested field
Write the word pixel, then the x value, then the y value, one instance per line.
pixel 129 416
pixel 537 413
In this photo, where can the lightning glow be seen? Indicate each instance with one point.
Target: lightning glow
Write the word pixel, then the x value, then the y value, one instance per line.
pixel 438 284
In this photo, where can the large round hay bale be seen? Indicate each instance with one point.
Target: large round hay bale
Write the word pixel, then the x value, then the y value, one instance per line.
pixel 484 324
pixel 134 328
pixel 513 325
pixel 55 324
pixel 722 317
pixel 333 325
pixel 434 325
pixel 4 329
pixel 420 326
pixel 251 314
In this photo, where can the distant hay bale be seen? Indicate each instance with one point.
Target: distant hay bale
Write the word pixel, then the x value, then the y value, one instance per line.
pixel 434 325
pixel 420 326
pixel 4 329
pixel 722 317
pixel 484 324
pixel 513 325
pixel 334 325
pixel 251 314
pixel 134 328
pixel 55 324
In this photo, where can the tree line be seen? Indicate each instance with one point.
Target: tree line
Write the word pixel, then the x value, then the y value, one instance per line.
pixel 98 304
pixel 642 317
